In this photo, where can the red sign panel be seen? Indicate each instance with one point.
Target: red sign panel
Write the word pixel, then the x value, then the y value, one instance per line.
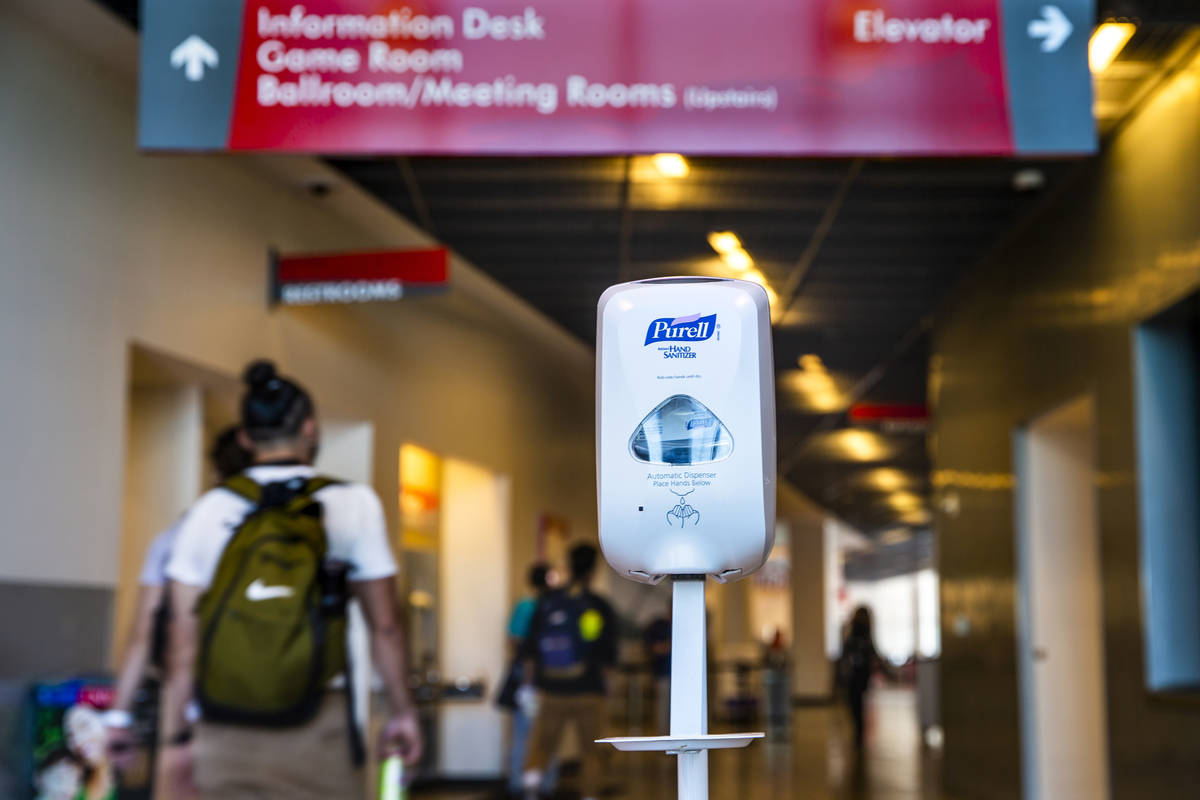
pixel 868 412
pixel 890 417
pixel 571 76
pixel 358 277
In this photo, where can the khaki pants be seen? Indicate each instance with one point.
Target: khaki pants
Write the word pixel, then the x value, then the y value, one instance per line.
pixel 557 711
pixel 309 762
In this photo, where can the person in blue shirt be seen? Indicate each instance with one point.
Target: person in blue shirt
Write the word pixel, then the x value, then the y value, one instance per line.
pixel 524 708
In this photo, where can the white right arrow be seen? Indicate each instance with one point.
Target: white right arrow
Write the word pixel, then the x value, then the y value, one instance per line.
pixel 194 54
pixel 1053 28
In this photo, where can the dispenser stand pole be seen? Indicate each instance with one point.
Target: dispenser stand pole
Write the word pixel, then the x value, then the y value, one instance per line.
pixel 689 681
pixel 689 739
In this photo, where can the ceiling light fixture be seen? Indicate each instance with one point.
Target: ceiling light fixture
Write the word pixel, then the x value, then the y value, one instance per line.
pixel 886 479
pixel 724 241
pixel 738 260
pixel 811 387
pixel 754 276
pixel 773 300
pixel 811 362
pixel 858 445
pixel 1107 41
pixel 670 165
pixel 905 501
pixel 920 516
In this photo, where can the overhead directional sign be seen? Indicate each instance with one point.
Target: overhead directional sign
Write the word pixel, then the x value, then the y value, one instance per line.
pixel 759 77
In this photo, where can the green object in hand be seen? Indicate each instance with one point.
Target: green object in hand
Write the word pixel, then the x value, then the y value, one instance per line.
pixel 391 779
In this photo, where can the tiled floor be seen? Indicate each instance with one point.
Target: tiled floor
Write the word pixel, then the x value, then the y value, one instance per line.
pixel 816 763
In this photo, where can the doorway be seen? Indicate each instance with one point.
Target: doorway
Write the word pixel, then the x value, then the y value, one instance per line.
pixel 1064 727
pixel 473 584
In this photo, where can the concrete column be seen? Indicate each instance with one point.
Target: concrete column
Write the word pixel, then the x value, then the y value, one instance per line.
pixel 810 667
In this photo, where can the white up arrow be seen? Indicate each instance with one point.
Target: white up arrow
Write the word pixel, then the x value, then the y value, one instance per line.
pixel 1053 28
pixel 194 54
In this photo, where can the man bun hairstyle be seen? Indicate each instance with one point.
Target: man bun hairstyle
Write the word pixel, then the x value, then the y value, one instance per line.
pixel 274 407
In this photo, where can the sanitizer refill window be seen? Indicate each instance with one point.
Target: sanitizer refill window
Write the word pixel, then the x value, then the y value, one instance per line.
pixel 685 428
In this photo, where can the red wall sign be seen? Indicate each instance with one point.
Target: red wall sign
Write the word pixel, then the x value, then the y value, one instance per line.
pixel 572 76
pixel 357 277
pixel 890 417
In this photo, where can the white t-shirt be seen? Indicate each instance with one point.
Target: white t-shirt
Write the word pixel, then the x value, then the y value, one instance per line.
pixel 354 526
pixel 158 554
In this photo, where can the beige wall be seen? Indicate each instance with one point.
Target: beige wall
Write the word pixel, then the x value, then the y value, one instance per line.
pixel 104 247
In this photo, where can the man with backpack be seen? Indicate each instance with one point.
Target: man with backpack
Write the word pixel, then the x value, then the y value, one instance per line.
pixel 571 644
pixel 260 574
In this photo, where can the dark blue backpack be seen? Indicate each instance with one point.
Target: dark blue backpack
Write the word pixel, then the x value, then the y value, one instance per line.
pixel 561 647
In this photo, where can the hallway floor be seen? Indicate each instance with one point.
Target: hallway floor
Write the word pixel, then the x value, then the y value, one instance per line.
pixel 817 763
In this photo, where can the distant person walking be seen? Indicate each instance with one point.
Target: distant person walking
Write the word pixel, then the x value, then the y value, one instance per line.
pixel 260 574
pixel 145 654
pixel 572 643
pixel 859 662
pixel 520 703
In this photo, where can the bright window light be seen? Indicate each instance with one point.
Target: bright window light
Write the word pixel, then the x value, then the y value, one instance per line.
pixel 670 165
pixel 724 241
pixel 738 260
pixel 1106 43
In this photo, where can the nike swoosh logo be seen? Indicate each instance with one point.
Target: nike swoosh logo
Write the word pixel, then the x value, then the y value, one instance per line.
pixel 260 591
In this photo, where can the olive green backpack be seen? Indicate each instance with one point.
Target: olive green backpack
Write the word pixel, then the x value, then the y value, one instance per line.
pixel 270 638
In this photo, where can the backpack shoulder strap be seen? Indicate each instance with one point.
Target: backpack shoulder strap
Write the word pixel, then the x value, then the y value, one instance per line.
pixel 319 482
pixel 305 496
pixel 244 487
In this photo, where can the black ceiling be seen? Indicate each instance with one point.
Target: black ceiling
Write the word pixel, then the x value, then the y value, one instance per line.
pixel 860 252
pixel 866 248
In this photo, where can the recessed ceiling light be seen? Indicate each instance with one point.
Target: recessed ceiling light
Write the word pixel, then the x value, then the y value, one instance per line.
pixel 671 165
pixel 1029 179
pixel 754 276
pixel 905 501
pixel 1107 41
pixel 724 241
pixel 738 260
pixel 811 362
pixel 772 299
pixel 857 445
pixel 886 479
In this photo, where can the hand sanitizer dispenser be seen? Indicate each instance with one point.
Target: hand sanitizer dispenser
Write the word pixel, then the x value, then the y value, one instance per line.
pixel 685 432
pixel 685 441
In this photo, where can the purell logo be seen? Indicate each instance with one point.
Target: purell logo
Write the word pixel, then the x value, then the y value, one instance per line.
pixel 681 329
